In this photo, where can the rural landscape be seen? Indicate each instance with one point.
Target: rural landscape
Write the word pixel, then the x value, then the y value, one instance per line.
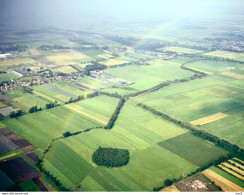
pixel 97 103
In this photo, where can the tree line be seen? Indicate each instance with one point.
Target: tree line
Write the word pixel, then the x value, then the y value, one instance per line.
pixel 39 164
pixel 234 149
pixel 114 116
pixel 111 157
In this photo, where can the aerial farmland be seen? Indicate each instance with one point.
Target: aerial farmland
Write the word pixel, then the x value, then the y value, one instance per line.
pixel 94 103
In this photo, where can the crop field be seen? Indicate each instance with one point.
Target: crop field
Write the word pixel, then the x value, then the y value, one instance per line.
pixel 188 146
pixel 146 169
pixel 234 75
pixel 227 176
pixel 227 54
pixel 49 95
pixel 150 172
pixel 34 52
pixel 229 128
pixel 16 61
pixel 182 50
pixel 149 75
pixel 200 101
pixel 113 62
pixel 212 66
pixel 26 100
pixel 99 108
pixel 6 145
pixel 58 90
pixel 67 57
pixel 29 186
pixel 68 87
pixel 7 77
pixel 209 119
pixel 225 184
pixel 66 69
pixel 18 170
pixel 31 127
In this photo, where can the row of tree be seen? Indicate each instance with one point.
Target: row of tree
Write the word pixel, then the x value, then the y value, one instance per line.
pixel 51 177
pixel 234 149
pixel 34 109
pixel 15 114
pixel 52 105
pixel 111 157
pixel 114 116
pixel 71 100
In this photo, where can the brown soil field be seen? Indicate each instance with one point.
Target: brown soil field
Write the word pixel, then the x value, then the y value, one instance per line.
pixel 209 119
pixel 171 188
pixel 5 131
pixel 40 184
pixel 237 164
pixel 233 168
pixel 231 172
pixel 2 105
pixel 18 170
pixel 18 140
pixel 225 184
pixel 6 145
pixel 28 148
pixel 34 52
pixel 32 156
pixel 5 99
pixel 234 75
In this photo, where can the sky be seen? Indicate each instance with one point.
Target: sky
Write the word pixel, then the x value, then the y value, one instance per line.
pixel 118 8
pixel 126 10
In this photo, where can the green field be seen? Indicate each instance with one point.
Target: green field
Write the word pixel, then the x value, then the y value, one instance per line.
pixel 149 75
pixel 16 61
pixel 216 66
pixel 229 128
pixel 193 149
pixel 7 77
pixel 181 50
pixel 29 186
pixel 146 170
pixel 224 174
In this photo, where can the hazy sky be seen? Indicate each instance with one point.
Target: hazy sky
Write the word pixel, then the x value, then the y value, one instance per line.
pixel 118 8
pixel 80 11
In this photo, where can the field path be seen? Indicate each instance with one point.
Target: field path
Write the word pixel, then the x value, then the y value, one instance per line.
pixel 225 184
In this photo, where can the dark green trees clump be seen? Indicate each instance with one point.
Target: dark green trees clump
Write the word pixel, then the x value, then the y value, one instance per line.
pixel 34 109
pixel 111 157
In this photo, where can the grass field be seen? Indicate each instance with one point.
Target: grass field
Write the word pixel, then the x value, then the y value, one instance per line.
pixel 188 146
pixel 216 66
pixel 29 186
pixel 16 61
pixel 150 75
pixel 146 169
pixel 226 54
pixel 67 57
pixel 34 52
pixel 200 100
pixel 113 62
pixel 229 128
pixel 66 69
pixel 7 77
pixel 40 134
pixel 209 119
pixel 182 50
